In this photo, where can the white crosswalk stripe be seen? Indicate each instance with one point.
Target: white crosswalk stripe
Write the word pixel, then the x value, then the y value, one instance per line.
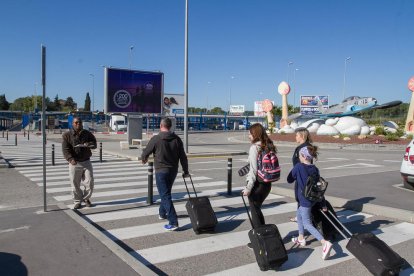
pixel 119 211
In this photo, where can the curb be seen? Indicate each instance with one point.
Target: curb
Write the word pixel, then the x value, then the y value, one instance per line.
pixel 391 212
pixel 345 146
pixel 134 263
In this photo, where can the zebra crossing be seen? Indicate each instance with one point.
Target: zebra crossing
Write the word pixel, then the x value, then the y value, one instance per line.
pixel 121 213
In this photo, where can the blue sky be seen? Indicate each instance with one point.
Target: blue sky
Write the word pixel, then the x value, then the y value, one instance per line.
pixel 241 48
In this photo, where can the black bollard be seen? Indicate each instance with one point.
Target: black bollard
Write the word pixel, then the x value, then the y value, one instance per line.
pixel 100 152
pixel 3 133
pixel 28 135
pixel 15 139
pixel 229 174
pixel 7 135
pixel 150 183
pixel 24 133
pixel 53 154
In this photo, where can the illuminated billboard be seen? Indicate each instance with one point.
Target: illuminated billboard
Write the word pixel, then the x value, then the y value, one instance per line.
pixel 131 91
pixel 309 105
pixel 173 104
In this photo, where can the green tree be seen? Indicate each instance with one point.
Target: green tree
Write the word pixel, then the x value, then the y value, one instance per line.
pixel 24 104
pixel 4 104
pixel 70 103
pixel 87 106
pixel 217 110
pixel 57 104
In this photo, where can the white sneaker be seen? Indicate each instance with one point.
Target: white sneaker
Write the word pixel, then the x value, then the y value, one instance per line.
pixel 326 249
pixel 296 240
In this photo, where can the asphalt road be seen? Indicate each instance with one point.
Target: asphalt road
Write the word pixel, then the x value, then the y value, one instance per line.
pixel 121 227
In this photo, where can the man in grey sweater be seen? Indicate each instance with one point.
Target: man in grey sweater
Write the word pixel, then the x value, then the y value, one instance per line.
pixel 168 149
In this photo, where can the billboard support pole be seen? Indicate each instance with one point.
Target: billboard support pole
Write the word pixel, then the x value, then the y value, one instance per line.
pixel 186 79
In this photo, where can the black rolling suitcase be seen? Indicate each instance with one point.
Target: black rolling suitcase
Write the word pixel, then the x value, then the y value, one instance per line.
pixel 323 225
pixel 372 252
pixel 267 245
pixel 202 216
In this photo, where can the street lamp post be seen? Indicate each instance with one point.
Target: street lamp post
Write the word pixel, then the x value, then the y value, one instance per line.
pixel 231 78
pixel 130 56
pixel 208 90
pixel 287 75
pixel 294 87
pixel 93 95
pixel 343 89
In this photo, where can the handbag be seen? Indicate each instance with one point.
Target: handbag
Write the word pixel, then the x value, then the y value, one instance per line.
pixel 244 170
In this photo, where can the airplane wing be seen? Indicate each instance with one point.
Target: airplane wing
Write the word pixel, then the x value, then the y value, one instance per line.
pixel 387 105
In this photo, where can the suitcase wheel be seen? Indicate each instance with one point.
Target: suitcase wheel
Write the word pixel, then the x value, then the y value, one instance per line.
pixel 197 232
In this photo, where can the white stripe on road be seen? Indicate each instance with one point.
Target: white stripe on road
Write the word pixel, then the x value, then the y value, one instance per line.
pixel 144 183
pixel 96 175
pixel 175 196
pixel 211 244
pixel 308 260
pixel 152 211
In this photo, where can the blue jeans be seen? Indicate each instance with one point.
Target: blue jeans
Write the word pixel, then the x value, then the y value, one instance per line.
pixel 303 215
pixel 165 180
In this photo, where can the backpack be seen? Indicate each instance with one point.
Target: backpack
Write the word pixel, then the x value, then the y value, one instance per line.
pixel 315 188
pixel 268 169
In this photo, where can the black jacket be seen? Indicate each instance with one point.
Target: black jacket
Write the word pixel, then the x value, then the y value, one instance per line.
pixel 71 139
pixel 168 149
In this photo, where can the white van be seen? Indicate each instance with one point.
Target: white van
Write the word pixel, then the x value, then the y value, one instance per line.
pixel 118 123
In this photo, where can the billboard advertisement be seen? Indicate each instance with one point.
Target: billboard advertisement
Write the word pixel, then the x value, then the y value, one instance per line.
pixel 258 110
pixel 132 91
pixel 236 110
pixel 309 105
pixel 173 104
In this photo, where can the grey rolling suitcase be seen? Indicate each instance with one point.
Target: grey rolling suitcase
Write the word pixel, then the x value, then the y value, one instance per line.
pixel 372 252
pixel 202 216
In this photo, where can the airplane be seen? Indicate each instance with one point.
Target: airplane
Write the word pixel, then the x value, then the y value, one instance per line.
pixel 348 107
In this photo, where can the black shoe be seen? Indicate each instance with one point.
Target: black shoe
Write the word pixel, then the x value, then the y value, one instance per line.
pixel 77 206
pixel 249 245
pixel 88 203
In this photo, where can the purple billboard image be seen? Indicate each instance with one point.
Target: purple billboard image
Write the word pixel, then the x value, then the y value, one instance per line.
pixel 130 91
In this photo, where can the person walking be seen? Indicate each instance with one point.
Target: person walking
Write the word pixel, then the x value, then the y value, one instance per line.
pixel 257 190
pixel 304 139
pixel 168 149
pixel 300 173
pixel 76 146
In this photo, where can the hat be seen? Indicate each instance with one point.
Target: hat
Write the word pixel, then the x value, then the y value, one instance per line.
pixel 305 153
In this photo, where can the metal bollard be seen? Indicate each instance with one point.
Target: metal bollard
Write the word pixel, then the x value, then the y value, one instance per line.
pixel 28 135
pixel 100 152
pixel 150 183
pixel 229 174
pixel 15 139
pixel 53 154
pixel 3 133
pixel 24 133
pixel 7 135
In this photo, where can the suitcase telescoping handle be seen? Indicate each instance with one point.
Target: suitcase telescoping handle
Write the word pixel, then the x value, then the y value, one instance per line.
pixel 185 183
pixel 247 209
pixel 334 225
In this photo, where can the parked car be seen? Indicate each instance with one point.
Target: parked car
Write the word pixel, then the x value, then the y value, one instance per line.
pixel 407 166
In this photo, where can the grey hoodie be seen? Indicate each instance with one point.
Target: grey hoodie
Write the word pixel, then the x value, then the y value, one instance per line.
pixel 167 148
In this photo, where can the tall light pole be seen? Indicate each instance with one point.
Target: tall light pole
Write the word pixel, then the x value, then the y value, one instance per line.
pixel 231 78
pixel 287 75
pixel 294 87
pixel 343 89
pixel 93 91
pixel 186 78
pixel 130 56
pixel 208 90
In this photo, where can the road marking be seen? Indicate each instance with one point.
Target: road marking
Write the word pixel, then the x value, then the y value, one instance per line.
pixel 153 211
pixel 393 161
pixel 308 260
pixel 354 166
pixel 14 229
pixel 201 246
pixel 372 160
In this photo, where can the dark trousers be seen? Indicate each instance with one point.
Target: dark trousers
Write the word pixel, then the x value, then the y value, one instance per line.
pixel 258 194
pixel 165 181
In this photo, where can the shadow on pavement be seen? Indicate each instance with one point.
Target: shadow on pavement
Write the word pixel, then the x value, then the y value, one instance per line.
pixel 11 264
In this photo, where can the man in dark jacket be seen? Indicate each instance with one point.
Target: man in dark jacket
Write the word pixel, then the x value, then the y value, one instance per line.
pixel 168 149
pixel 76 146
